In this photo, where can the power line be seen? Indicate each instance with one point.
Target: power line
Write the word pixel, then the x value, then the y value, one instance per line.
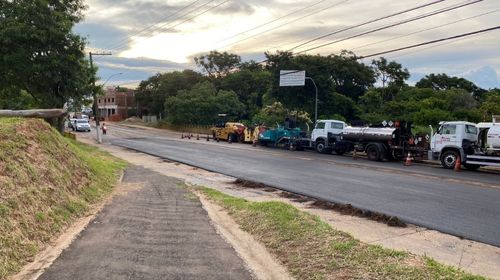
pixel 392 25
pixel 286 23
pixel 431 42
pixel 118 43
pixel 272 21
pixel 188 19
pixel 426 29
pixel 365 23
pixel 463 35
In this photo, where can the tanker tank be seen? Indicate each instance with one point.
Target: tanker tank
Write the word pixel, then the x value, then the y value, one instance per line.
pixel 368 133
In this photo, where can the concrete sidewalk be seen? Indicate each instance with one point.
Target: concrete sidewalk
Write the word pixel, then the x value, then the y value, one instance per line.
pixel 156 231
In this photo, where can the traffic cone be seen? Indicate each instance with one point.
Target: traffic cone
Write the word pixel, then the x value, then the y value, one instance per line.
pixel 254 143
pixel 208 138
pixel 182 135
pixel 197 137
pixel 354 154
pixel 408 160
pixel 458 164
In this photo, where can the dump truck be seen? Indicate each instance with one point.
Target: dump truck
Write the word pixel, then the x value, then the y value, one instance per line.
pixel 475 145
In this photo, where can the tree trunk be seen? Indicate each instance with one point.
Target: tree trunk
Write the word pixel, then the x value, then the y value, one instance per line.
pixel 36 113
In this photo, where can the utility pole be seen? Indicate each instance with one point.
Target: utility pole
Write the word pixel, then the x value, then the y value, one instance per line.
pixel 94 94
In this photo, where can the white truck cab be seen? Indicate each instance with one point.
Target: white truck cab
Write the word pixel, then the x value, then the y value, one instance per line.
pixel 460 139
pixel 319 135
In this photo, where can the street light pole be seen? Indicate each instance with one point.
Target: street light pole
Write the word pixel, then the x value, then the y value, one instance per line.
pixel 316 102
pixel 94 94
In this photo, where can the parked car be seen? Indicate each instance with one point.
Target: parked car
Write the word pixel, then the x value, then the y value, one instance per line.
pixel 81 125
pixel 71 123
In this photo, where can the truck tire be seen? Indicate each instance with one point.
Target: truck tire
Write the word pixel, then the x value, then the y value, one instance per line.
pixel 449 159
pixel 373 153
pixel 320 147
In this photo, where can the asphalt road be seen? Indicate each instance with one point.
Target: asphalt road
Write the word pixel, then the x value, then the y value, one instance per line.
pixel 465 204
pixel 154 232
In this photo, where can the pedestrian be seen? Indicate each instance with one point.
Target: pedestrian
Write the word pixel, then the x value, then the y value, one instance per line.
pixel 104 128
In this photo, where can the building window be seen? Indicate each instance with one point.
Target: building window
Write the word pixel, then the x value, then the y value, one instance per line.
pixel 99 100
pixel 112 100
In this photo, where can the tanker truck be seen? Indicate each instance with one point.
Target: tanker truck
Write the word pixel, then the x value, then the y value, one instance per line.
pixel 475 145
pixel 379 143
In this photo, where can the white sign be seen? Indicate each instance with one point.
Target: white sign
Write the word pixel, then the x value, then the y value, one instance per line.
pixel 290 78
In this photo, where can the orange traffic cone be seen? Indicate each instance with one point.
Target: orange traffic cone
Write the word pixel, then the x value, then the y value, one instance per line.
pixel 208 138
pixel 197 137
pixel 182 135
pixel 354 153
pixel 408 160
pixel 458 164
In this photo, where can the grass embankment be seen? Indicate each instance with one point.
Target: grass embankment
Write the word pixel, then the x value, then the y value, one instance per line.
pixel 46 182
pixel 310 249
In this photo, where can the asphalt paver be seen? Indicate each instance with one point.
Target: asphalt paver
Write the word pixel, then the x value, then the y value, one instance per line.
pixel 158 231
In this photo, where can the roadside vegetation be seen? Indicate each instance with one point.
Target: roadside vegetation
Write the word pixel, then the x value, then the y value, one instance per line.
pixel 46 182
pixel 311 249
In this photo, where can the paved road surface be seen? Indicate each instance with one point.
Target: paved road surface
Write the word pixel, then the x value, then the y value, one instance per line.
pixel 465 204
pixel 155 232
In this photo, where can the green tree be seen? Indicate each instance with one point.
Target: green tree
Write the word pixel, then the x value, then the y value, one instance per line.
pixel 276 113
pixel 390 73
pixel 216 64
pixel 152 93
pixel 250 85
pixel 201 105
pixel 444 82
pixel 491 105
pixel 39 53
pixel 341 73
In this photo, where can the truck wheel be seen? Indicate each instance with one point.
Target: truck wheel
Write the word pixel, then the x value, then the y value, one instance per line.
pixel 449 159
pixel 472 166
pixel 321 147
pixel 373 153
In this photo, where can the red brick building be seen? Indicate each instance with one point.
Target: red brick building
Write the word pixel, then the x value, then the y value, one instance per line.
pixel 117 105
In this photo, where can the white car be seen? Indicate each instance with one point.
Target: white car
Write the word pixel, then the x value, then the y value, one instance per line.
pixel 81 125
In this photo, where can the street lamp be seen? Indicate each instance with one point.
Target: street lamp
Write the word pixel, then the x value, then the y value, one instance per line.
pixel 116 74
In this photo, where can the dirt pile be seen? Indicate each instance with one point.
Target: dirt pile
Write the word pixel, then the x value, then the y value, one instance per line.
pixel 46 181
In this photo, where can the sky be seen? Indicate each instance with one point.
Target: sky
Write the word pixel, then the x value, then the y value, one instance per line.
pixel 147 37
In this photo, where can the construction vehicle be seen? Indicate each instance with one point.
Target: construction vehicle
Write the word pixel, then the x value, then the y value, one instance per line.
pixel 232 131
pixel 286 135
pixel 475 145
pixel 392 141
pixel 229 131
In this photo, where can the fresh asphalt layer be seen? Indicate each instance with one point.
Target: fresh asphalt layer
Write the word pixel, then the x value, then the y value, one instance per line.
pixel 465 204
pixel 154 232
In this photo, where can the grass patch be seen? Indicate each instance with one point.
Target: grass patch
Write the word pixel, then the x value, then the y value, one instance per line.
pixel 311 249
pixel 46 182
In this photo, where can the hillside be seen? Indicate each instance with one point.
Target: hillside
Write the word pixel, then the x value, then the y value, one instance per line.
pixel 46 181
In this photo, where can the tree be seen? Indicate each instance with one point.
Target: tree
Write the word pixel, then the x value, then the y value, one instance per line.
pixel 390 73
pixel 201 105
pixel 491 105
pixel 217 64
pixel 250 85
pixel 276 113
pixel 40 54
pixel 152 93
pixel 444 82
pixel 342 74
